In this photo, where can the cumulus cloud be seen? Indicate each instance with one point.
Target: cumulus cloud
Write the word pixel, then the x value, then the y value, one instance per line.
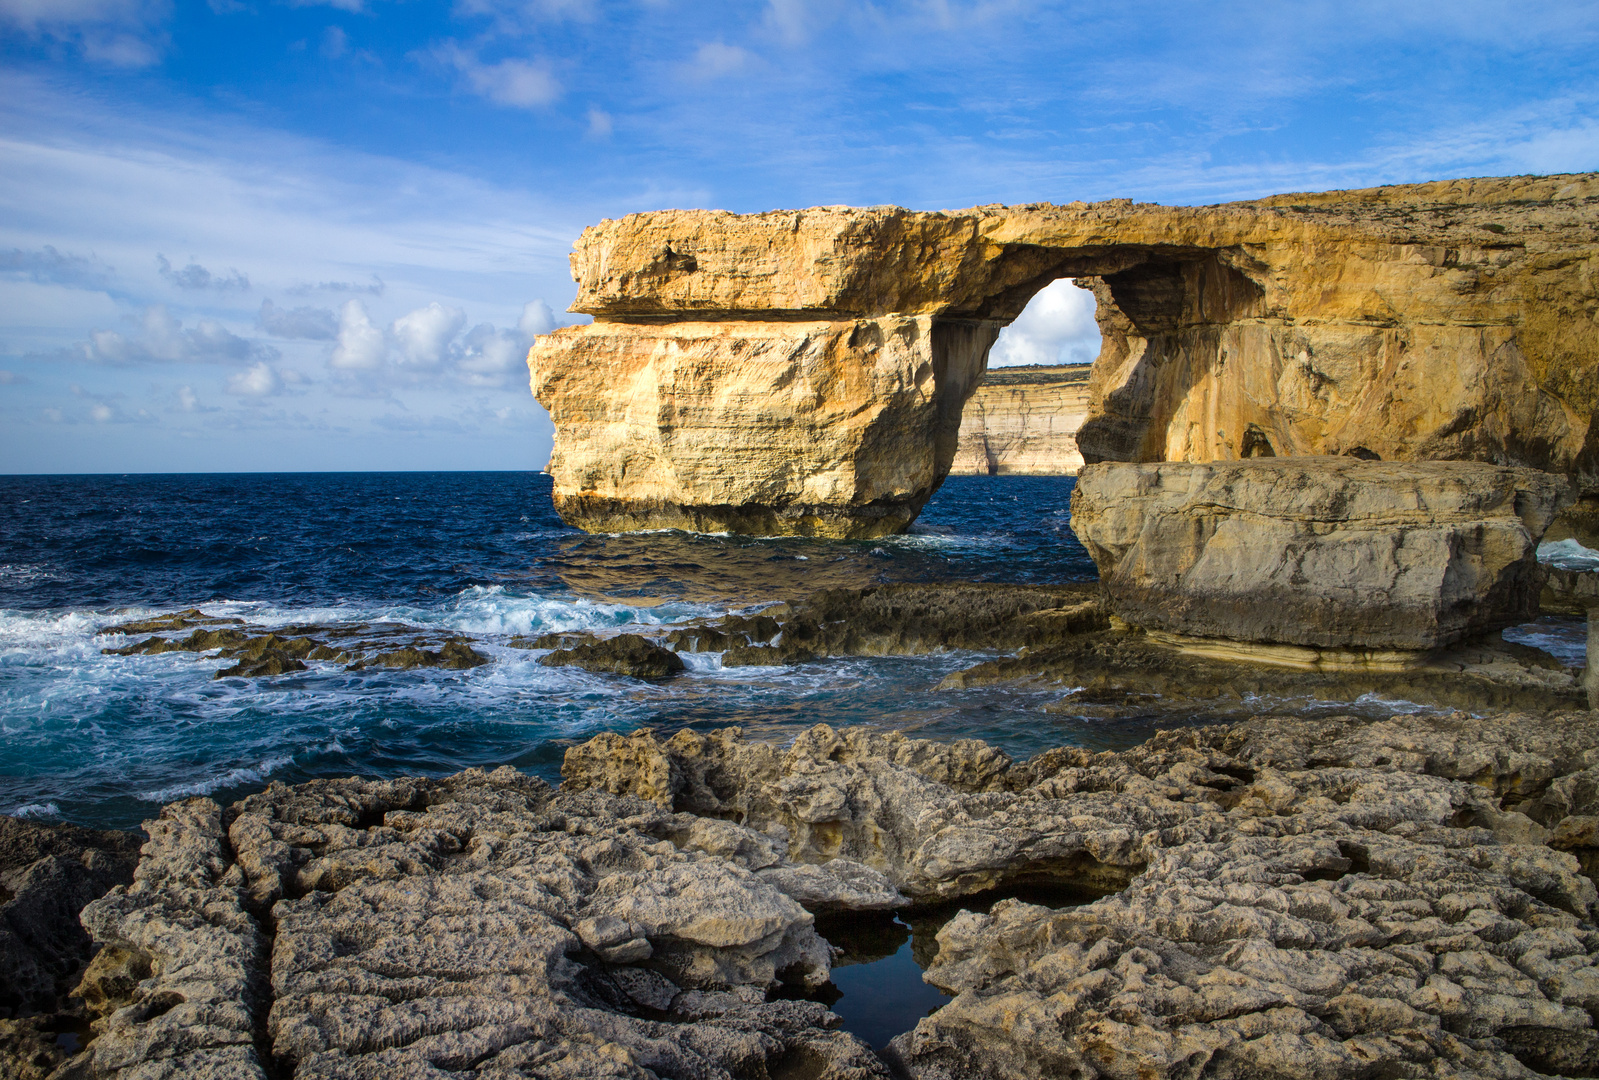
pixel 488 355
pixel 1057 327
pixel 360 345
pixel 162 339
pixel 307 323
pixel 195 276
pixel 521 84
pixel 48 266
pixel 260 380
pixel 537 318
pixel 422 337
pixel 428 344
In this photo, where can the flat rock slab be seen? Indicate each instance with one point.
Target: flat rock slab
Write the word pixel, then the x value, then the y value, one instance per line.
pixel 1318 551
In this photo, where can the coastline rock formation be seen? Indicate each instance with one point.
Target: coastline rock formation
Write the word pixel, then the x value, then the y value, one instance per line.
pixel 1023 421
pixel 805 371
pixel 1329 552
pixel 1331 899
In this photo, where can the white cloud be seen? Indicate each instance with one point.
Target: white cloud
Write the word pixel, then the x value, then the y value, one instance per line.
pixel 488 355
pixel 101 413
pixel 117 32
pixel 1056 327
pixel 422 337
pixel 259 381
pixel 54 267
pixel 162 339
pixel 360 345
pixel 522 84
pixel 537 318
pixel 599 124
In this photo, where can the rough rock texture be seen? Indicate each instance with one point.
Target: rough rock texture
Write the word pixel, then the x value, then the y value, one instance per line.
pixel 1332 552
pixel 804 371
pixel 471 926
pixel 1329 900
pixel 902 620
pixel 1024 421
pixel 1322 899
pixel 47 874
pixel 624 654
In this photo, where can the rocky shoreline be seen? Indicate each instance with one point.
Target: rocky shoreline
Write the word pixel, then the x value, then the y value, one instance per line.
pixel 1290 897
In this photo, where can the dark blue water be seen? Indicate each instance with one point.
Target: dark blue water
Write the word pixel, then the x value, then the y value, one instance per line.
pixel 104 739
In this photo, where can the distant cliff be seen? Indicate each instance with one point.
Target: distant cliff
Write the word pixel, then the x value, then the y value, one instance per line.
pixel 1024 420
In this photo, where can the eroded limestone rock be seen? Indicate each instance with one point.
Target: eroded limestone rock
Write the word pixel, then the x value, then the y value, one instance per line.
pixel 1323 551
pixel 1331 899
pixel 804 371
pixel 479 925
pixel 1321 899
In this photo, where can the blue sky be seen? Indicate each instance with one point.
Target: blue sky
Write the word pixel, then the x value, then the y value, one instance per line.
pixel 316 234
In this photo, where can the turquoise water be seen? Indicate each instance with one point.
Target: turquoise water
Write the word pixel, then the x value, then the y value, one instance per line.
pixel 104 740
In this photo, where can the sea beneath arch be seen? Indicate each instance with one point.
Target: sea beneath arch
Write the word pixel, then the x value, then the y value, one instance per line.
pixel 104 740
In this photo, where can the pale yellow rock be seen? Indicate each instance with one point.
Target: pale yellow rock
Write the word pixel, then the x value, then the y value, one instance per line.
pixel 1023 421
pixel 804 371
pixel 836 429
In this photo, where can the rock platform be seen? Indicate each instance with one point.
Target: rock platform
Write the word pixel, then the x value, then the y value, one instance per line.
pixel 1297 898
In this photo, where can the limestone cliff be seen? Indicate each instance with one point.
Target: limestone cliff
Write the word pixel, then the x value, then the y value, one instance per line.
pixel 1024 421
pixel 804 371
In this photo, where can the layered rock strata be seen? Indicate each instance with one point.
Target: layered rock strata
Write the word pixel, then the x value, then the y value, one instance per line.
pixel 804 371
pixel 1023 421
pixel 1326 552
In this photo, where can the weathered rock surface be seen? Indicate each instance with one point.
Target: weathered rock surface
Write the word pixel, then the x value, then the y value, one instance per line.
pixel 804 371
pixel 47 874
pixel 479 925
pixel 1333 552
pixel 1317 899
pixel 1023 421
pixel 1304 898
pixel 901 620
pixel 266 653
pixel 624 654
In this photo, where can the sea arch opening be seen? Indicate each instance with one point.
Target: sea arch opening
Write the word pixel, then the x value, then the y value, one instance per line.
pixel 1023 417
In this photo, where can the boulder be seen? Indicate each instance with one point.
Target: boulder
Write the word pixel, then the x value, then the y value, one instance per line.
pixel 624 654
pixel 1324 552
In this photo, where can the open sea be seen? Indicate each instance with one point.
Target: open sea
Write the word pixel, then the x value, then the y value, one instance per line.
pixel 104 740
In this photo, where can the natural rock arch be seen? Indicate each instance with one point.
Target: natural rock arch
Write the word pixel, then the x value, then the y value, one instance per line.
pixel 804 371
